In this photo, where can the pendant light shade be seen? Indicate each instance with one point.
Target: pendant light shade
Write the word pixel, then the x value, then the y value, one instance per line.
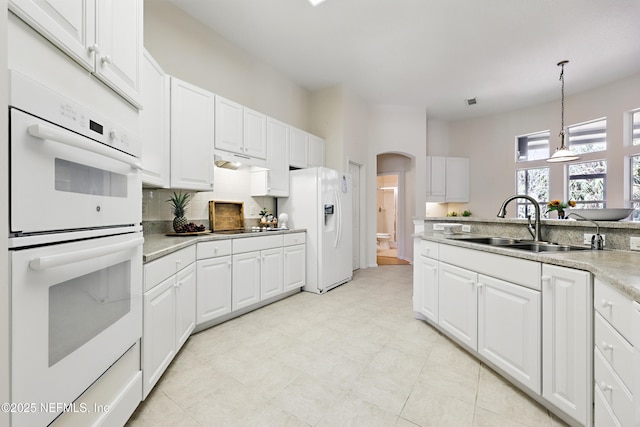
pixel 563 153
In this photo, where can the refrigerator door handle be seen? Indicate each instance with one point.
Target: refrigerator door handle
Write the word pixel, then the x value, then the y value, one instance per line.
pixel 338 219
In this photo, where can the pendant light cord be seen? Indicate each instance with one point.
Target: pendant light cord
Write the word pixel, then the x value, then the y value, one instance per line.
pixel 561 64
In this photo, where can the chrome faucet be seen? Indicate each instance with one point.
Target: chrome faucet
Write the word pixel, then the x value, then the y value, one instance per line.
pixel 597 242
pixel 534 230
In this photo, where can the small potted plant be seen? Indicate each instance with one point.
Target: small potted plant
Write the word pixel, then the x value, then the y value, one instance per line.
pixel 557 205
pixel 179 202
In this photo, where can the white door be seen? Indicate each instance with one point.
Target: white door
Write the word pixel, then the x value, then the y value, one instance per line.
pixel 245 289
pixel 567 306
pixel 298 147
pixel 214 288
pixel 294 267
pixel 228 125
pixel 509 329
pixel 458 310
pixel 192 132
pixel 254 133
pixel 278 158
pixel 426 270
pixel 354 171
pixel 185 304
pixel 271 273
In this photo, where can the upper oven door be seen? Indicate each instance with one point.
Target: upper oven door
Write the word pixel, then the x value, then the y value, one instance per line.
pixel 61 180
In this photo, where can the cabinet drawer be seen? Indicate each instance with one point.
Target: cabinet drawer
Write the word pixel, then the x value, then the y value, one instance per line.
pixel 515 270
pixel 613 391
pixel 602 412
pixel 615 349
pixel 256 243
pixel 429 249
pixel 158 270
pixel 614 307
pixel 294 239
pixel 214 248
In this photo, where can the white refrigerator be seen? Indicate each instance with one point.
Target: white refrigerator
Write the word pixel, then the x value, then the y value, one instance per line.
pixel 320 201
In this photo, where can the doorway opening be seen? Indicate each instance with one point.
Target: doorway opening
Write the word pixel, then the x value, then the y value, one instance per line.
pixel 387 216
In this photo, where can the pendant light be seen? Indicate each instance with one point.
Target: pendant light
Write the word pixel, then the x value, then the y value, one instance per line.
pixel 562 154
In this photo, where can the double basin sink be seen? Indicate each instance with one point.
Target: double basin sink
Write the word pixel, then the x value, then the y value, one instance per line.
pixel 525 245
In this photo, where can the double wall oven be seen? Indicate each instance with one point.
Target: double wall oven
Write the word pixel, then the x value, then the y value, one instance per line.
pixel 75 249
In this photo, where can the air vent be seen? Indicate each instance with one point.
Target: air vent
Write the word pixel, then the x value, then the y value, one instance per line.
pixel 471 101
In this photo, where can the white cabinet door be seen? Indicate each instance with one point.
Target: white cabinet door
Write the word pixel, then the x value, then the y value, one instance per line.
pixel 159 332
pixel 457 179
pixel 228 118
pixel 154 124
pixel 119 46
pixel 214 288
pixel 185 304
pixel 254 134
pixel 458 303
pixel 246 280
pixel 509 329
pixel 436 178
pixel 275 180
pixel 270 273
pixel 298 147
pixel 426 287
pixel 566 340
pixel 68 25
pixel 315 151
pixel 295 258
pixel 192 133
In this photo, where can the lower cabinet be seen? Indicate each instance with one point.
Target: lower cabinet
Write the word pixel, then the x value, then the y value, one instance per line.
pixel 566 341
pixel 294 267
pixel 245 288
pixel 271 267
pixel 458 307
pixel 214 288
pixel 509 329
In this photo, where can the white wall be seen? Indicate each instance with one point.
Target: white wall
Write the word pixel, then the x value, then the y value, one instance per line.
pixel 489 142
pixel 4 222
pixel 197 54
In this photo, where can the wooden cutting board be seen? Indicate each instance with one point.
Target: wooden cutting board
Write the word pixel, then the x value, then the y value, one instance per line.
pixel 226 215
pixel 190 233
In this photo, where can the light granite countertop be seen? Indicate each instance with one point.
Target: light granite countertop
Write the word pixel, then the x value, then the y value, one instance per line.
pixel 620 269
pixel 159 245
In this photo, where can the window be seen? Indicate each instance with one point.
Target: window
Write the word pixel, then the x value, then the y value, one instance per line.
pixel 535 183
pixel 635 187
pixel 635 127
pixel 588 137
pixel 532 147
pixel 587 183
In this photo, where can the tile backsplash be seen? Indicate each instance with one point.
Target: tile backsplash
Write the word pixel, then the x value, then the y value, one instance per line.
pixel 229 185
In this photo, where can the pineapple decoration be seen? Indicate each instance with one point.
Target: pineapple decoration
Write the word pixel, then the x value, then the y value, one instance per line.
pixel 179 203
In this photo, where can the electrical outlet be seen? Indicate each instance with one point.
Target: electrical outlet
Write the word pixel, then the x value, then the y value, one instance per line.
pixel 438 227
pixel 634 243
pixel 587 239
pixel 466 228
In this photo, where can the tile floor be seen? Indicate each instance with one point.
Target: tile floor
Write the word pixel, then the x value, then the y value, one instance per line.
pixel 354 356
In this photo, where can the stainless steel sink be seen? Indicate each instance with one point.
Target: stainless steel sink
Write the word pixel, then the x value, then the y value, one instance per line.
pixel 524 245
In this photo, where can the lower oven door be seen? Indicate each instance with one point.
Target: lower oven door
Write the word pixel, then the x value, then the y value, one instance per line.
pixel 62 181
pixel 76 308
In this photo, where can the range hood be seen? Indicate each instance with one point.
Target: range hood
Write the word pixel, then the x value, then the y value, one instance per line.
pixel 221 162
pixel 227 160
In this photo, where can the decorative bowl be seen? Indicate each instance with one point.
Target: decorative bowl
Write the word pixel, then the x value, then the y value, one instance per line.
pixel 606 214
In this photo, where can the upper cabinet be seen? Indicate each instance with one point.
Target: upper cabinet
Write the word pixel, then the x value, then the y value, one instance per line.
pixel 305 150
pixel 240 130
pixel 192 135
pixel 274 181
pixel 103 36
pixel 447 179
pixel 154 124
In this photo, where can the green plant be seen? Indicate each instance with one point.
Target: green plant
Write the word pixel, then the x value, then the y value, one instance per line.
pixel 263 212
pixel 466 213
pixel 452 213
pixel 179 202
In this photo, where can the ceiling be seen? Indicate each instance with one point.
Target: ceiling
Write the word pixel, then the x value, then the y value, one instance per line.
pixel 436 53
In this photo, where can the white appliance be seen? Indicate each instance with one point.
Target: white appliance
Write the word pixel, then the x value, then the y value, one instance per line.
pixel 320 201
pixel 75 251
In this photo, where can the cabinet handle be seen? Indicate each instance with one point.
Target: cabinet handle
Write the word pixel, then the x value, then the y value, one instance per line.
pixel 606 387
pixel 606 346
pixel 606 303
pixel 229 265
pixel 479 285
pixel 106 59
pixel 546 280
pixel 178 262
pixel 93 49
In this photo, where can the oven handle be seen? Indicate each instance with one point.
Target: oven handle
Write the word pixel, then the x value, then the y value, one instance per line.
pixel 45 132
pixel 45 262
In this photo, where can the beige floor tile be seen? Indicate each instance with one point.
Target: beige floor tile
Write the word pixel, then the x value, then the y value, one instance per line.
pixel 484 418
pixel 446 352
pixel 352 411
pixel 405 423
pixel 448 381
pixel 384 390
pixel 427 408
pixel 398 363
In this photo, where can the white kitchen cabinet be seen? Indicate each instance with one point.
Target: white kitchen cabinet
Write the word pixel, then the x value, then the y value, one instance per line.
pixel 509 329
pixel 315 152
pixel 274 181
pixel 169 311
pixel 229 129
pixel 254 135
pixel 214 287
pixel 192 135
pixel 458 309
pixel 154 124
pixel 566 341
pixel 447 179
pixel 425 280
pixel 298 147
pixel 105 37
pixel 246 280
pixel 294 261
pixel 271 283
